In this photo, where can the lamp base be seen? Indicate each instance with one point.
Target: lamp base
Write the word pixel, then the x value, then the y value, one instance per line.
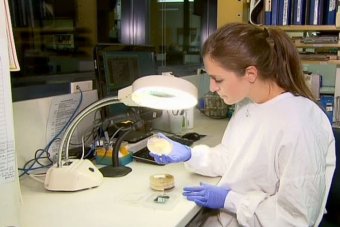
pixel 73 175
pixel 115 171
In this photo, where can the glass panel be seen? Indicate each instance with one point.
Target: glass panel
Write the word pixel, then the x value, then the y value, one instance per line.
pixel 55 39
pixel 176 34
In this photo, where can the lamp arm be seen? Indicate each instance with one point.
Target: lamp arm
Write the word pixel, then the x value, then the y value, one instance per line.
pixel 115 152
pixel 74 123
pixel 84 114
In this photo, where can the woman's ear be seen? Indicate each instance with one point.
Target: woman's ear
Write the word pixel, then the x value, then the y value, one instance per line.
pixel 251 74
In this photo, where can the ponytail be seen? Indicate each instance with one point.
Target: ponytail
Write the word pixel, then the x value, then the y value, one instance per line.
pixel 289 74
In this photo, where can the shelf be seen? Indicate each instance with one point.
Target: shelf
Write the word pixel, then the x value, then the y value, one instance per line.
pixel 302 28
pixel 299 44
pixel 44 30
pixel 328 45
pixel 327 90
pixel 50 30
pixel 330 62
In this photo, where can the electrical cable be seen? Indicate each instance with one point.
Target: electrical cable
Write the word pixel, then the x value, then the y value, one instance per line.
pixel 35 160
pixel 83 148
pixel 110 141
pixel 96 135
pixel 90 152
pixel 34 177
pixel 92 133
pixel 96 122
pixel 114 134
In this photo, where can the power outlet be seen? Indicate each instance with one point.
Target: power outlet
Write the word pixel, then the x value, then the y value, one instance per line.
pixel 81 86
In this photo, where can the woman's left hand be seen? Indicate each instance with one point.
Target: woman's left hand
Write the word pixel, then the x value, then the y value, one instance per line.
pixel 206 195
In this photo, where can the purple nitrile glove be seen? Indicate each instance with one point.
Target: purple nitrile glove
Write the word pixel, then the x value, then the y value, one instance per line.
pixel 179 153
pixel 206 195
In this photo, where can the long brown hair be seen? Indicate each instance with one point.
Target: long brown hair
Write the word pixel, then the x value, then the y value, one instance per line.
pixel 236 46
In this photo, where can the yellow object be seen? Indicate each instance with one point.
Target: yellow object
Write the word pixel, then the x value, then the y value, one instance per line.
pixel 123 150
pixel 161 182
pixel 102 152
pixel 231 11
pixel 104 155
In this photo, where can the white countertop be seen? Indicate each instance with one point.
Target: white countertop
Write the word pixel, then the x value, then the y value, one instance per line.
pixel 123 201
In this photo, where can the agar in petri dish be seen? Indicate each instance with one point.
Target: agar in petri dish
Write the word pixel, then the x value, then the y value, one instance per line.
pixel 159 146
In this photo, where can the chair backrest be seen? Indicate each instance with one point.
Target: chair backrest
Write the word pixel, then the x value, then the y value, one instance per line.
pixel 333 201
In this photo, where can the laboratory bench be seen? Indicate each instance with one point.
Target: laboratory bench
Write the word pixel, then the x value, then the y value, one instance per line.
pixel 129 200
pixel 122 201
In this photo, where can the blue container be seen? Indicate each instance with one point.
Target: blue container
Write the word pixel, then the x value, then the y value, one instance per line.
pixel 327 103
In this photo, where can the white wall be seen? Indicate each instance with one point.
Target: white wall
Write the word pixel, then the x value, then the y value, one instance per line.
pixel 201 81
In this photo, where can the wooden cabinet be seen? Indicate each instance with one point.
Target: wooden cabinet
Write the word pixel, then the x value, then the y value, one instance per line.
pixel 232 11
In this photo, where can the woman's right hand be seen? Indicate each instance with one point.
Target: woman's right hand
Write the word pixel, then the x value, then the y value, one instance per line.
pixel 179 152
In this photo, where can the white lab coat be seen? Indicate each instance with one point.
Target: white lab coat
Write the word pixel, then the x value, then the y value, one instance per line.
pixel 278 160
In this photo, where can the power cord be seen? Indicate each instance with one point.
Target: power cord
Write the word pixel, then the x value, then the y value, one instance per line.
pixel 40 152
pixel 109 142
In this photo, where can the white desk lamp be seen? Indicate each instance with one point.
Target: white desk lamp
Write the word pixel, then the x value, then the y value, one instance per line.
pixel 155 91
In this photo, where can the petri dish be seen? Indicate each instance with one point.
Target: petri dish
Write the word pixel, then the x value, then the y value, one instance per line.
pixel 159 145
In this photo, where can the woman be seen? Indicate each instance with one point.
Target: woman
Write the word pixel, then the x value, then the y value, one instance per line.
pixel 277 156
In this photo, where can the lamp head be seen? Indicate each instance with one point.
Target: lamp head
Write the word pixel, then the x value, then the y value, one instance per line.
pixel 160 92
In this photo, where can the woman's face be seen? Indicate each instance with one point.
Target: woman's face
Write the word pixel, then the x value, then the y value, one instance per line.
pixel 231 87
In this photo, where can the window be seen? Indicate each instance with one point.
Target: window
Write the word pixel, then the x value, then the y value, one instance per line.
pixel 176 34
pixel 55 39
pixel 175 28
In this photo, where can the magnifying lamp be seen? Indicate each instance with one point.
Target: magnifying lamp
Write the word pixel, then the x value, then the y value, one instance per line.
pixel 155 91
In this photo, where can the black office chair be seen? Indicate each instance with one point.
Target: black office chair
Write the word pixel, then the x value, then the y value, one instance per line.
pixel 332 218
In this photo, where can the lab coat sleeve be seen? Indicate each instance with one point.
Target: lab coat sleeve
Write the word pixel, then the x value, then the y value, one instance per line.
pixel 211 161
pixel 206 160
pixel 305 168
